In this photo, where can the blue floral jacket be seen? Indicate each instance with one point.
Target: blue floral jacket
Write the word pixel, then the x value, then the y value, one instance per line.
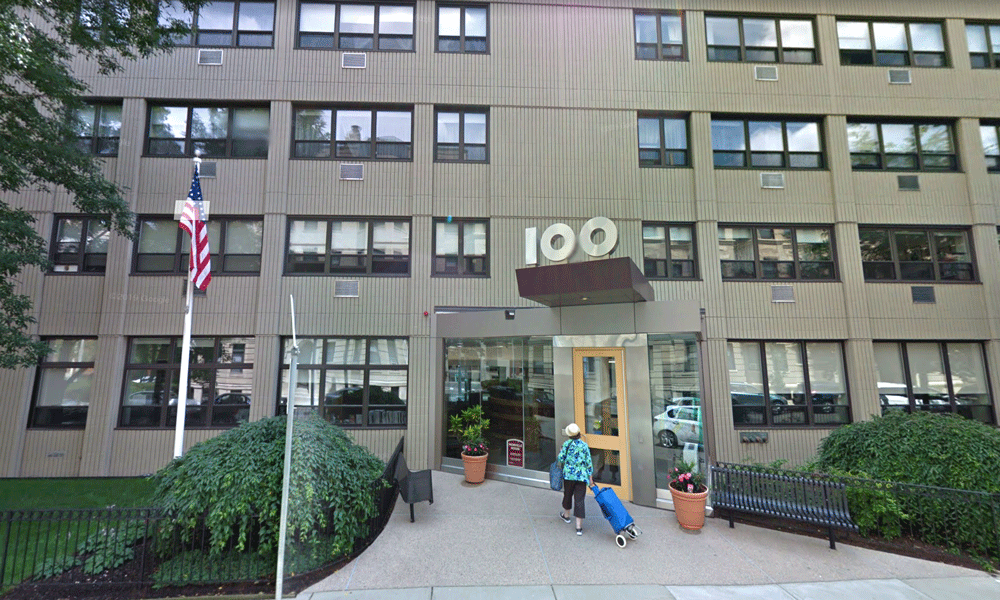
pixel 575 459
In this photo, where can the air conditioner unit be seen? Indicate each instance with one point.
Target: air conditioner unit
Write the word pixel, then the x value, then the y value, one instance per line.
pixel 209 57
pixel 345 288
pixel 772 181
pixel 900 77
pixel 354 60
pixel 765 73
pixel 782 293
pixel 352 172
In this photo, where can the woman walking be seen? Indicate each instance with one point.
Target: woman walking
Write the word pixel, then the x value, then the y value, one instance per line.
pixel 578 471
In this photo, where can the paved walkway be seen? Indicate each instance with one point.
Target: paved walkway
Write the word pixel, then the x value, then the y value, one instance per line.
pixel 501 541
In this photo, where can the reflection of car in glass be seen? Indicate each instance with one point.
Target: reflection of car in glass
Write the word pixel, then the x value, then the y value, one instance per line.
pixel 778 403
pixel 678 425
pixel 149 398
pixel 231 408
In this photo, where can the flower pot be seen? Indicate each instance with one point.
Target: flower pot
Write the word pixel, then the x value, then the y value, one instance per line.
pixel 475 467
pixel 689 508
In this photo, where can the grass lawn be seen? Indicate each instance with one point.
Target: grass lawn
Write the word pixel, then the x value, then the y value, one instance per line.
pixel 30 543
pixel 20 494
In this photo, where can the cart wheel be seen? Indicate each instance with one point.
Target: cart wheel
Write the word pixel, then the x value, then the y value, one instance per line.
pixel 636 529
pixel 620 540
pixel 630 530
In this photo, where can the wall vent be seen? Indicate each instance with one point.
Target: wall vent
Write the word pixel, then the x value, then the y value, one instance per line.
pixel 208 56
pixel 782 293
pixel 345 288
pixel 908 183
pixel 354 60
pixel 207 170
pixel 922 294
pixel 900 76
pixel 772 181
pixel 765 73
pixel 352 172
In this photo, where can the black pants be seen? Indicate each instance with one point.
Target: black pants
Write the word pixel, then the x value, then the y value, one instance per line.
pixel 573 494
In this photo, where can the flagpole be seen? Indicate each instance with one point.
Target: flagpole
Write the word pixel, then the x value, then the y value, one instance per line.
pixel 185 354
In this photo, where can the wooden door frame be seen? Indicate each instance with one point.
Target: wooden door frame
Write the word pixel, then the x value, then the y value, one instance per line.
pixel 605 442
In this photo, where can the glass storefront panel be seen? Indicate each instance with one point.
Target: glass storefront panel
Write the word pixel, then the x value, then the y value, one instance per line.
pixel 512 379
pixel 675 393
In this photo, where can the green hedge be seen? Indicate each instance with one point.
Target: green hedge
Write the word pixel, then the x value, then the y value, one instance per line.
pixel 231 486
pixel 943 451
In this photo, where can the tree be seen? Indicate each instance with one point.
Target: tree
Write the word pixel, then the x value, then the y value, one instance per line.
pixel 39 95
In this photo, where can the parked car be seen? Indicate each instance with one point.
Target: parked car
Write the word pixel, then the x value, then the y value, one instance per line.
pixel 678 425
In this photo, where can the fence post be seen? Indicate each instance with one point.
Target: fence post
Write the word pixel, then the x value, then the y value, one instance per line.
pixel 8 526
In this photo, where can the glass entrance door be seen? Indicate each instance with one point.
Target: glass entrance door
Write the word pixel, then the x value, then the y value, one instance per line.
pixel 600 411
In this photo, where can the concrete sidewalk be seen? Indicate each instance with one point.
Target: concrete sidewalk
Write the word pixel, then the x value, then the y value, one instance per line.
pixel 499 540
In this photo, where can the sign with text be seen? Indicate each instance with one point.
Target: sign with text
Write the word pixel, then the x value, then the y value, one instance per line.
pixel 515 453
pixel 570 240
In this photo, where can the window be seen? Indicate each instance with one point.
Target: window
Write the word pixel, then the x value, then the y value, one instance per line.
pixel 463 29
pixel 668 251
pixel 214 131
pixel 79 245
pixel 984 45
pixel 663 141
pixel 938 377
pixel 805 383
pixel 991 146
pixel 351 382
pixel 63 384
pixel 347 133
pixel 461 247
pixel 659 36
pixel 461 135
pixel 760 39
pixel 218 393
pixel 902 146
pixel 766 144
pixel 235 242
pixel 331 25
pixel 348 247
pixel 777 252
pixel 232 23
pixel 99 128
pixel 887 44
pixel 916 254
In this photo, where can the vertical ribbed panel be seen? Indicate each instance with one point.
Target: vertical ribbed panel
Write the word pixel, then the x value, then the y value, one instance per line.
pixel 52 453
pixel 563 88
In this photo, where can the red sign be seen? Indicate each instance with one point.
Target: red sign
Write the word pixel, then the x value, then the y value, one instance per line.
pixel 515 453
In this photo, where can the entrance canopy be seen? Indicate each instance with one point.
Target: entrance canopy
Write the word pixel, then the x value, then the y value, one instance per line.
pixel 611 281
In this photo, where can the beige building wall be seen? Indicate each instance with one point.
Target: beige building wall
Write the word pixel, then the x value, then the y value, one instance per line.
pixel 563 89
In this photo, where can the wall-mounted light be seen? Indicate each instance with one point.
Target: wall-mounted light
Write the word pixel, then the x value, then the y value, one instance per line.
pixel 509 314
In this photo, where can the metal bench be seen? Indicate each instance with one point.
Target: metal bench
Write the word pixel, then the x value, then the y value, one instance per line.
pixel 414 486
pixel 796 496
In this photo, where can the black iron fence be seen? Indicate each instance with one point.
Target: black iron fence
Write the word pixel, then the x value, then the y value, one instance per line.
pixel 959 520
pixel 130 547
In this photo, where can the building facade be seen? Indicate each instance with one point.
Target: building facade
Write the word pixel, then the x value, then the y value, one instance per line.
pixel 703 230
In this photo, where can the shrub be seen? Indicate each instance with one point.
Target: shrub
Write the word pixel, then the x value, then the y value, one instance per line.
pixel 944 451
pixel 231 486
pixel 938 450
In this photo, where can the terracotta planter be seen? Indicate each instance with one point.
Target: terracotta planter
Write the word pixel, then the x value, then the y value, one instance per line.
pixel 689 508
pixel 475 467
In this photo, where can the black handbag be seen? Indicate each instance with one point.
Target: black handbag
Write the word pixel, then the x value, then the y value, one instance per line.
pixel 556 476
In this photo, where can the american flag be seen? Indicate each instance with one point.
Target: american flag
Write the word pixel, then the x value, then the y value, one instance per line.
pixel 193 222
